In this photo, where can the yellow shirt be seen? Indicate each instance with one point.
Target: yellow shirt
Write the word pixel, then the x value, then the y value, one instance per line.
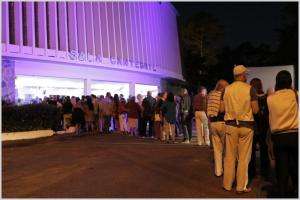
pixel 283 110
pixel 237 102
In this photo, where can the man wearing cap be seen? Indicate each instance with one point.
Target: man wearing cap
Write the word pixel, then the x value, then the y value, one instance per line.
pixel 240 103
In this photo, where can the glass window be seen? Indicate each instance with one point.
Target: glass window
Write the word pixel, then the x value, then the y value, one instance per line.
pixel 143 89
pixel 101 87
pixel 30 87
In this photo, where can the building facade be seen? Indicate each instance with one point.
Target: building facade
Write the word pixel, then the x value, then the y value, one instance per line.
pixel 81 48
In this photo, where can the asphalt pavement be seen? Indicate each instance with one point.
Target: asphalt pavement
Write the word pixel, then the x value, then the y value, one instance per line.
pixel 109 166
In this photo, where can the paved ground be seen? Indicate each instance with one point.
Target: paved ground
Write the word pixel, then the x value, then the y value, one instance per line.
pixel 110 166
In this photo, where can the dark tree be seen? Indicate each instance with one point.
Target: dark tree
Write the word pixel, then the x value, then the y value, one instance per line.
pixel 287 52
pixel 201 39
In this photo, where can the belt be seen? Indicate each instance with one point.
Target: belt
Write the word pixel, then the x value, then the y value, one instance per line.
pixel 248 124
pixel 215 119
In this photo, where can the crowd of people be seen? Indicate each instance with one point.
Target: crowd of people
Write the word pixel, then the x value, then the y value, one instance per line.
pixel 159 118
pixel 235 119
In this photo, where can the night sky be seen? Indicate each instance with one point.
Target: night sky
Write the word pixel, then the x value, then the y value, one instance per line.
pixel 253 22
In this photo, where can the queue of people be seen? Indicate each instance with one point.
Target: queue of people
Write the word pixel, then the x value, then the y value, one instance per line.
pixel 242 118
pixel 236 119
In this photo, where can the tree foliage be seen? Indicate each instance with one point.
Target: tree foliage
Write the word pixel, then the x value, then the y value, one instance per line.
pixel 201 37
pixel 206 59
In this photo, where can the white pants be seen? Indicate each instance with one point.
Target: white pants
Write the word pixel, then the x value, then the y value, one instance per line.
pixel 123 123
pixel 238 148
pixel 202 128
pixel 218 141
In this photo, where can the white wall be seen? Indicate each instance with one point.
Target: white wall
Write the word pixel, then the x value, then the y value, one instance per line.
pixel 268 74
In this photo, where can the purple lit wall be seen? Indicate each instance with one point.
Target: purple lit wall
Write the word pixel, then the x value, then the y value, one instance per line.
pixel 134 36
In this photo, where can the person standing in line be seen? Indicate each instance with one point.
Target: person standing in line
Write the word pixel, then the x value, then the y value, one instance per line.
pixel 88 109
pixel 178 124
pixel 100 112
pixel 199 107
pixel 217 126
pixel 140 117
pixel 186 116
pixel 78 117
pixel 96 112
pixel 158 116
pixel 169 112
pixel 67 112
pixel 260 133
pixel 116 113
pixel 148 114
pixel 107 112
pixel 123 116
pixel 240 103
pixel 283 117
pixel 133 112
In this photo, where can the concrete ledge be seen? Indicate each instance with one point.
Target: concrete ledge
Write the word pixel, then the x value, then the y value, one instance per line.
pixel 26 135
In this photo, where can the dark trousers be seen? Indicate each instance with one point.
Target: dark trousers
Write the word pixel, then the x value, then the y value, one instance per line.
pixel 260 139
pixel 285 147
pixel 140 126
pixel 187 127
pixel 107 119
pixel 145 120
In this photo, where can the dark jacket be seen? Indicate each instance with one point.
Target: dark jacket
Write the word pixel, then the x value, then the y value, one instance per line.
pixel 169 111
pixel 199 103
pixel 149 106
pixel 67 107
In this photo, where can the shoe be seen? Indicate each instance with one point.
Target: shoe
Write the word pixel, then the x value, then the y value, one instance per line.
pixel 218 175
pixel 247 190
pixel 226 189
pixel 186 142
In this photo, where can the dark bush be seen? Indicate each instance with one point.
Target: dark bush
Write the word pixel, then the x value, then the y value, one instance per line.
pixel 29 117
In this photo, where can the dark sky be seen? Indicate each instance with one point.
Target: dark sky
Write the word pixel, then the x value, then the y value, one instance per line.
pixel 254 22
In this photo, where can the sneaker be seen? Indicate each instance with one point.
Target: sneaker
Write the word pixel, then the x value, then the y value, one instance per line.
pixel 186 142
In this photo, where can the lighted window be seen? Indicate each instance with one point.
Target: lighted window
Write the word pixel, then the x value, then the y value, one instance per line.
pixel 31 87
pixel 143 89
pixel 101 87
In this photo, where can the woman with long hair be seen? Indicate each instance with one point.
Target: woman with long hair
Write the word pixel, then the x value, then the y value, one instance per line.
pixel 260 132
pixel 283 117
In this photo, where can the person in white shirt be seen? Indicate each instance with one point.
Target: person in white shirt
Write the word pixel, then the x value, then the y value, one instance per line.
pixel 240 103
pixel 283 118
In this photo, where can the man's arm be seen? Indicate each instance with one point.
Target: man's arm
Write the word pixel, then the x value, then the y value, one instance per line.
pixel 254 106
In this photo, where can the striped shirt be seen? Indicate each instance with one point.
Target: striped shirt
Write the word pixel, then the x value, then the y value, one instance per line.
pixel 213 103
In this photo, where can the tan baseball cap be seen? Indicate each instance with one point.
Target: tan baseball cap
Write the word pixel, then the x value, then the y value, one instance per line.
pixel 239 69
